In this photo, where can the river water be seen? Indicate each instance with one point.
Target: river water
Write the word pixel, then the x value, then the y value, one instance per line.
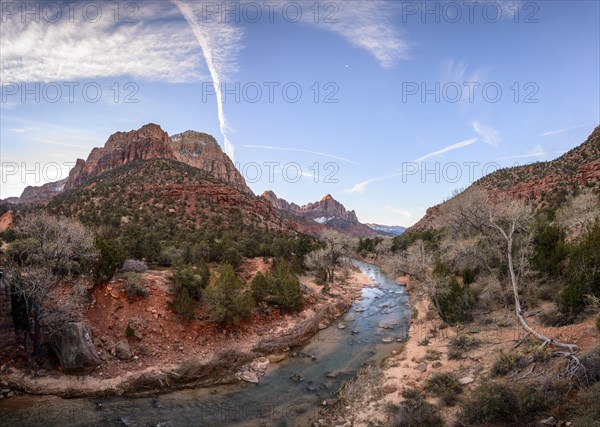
pixel 327 361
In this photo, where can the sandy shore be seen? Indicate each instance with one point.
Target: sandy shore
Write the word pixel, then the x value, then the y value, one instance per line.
pixel 190 349
pixel 367 400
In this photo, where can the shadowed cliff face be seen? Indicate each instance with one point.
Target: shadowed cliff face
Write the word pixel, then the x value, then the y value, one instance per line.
pixel 196 149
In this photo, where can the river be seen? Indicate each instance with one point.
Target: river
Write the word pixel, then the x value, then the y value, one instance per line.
pixel 329 359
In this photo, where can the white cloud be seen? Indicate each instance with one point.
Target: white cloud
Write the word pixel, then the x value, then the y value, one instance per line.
pixel 17 130
pixel 451 147
pixel 368 25
pixel 557 131
pixel 537 151
pixel 70 51
pixel 457 72
pixel 488 135
pixel 361 187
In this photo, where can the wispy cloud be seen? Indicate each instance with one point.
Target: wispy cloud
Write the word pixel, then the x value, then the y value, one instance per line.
pixel 537 151
pixel 488 135
pixel 451 147
pixel 361 187
pixel 458 72
pixel 557 131
pixel 368 25
pixel 157 50
pixel 301 150
pixel 17 130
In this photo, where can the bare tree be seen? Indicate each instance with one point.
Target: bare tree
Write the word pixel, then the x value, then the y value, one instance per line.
pixel 45 254
pixel 415 261
pixel 334 255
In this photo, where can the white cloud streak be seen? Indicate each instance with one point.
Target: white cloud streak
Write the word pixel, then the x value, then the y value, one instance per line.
pixel 489 135
pixel 219 44
pixel 557 131
pixel 444 150
pixel 361 187
pixel 537 151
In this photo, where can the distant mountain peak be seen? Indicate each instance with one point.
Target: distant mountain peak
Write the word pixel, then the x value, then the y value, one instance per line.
pixel 327 212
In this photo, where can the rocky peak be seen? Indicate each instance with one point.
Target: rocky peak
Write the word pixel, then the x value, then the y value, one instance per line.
pixel 148 142
pixel 328 212
pixel 202 151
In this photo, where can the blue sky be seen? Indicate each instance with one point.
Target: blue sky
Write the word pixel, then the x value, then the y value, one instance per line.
pixel 400 103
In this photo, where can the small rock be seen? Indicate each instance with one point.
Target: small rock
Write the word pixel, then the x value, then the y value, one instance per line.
pixel 548 422
pixel 387 340
pixel 250 377
pixel 10 394
pixel 122 350
pixel 389 389
pixel 324 403
pixel 331 375
pixel 296 377
pixel 276 358
pixel 422 367
pixel 322 326
pixel 465 380
pixel 436 364
pixel 354 332
pixel 341 326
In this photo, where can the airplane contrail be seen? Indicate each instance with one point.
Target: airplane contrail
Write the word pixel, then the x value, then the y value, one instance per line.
pixel 205 46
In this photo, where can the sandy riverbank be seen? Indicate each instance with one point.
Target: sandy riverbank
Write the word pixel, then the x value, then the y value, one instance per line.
pixel 367 399
pixel 168 354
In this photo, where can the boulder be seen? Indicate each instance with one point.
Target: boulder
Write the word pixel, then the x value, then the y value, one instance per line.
pixel 465 380
pixel 75 349
pixel 122 350
pixel 250 377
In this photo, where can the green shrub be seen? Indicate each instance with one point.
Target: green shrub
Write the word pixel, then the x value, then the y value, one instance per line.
pixel 583 272
pixel 229 301
pixel 281 287
pixel 588 411
pixel 493 403
pixel 445 385
pixel 260 287
pixel 184 276
pixel 129 331
pixel 110 259
pixel 415 411
pixel 468 276
pixel 455 306
pixel 459 344
pixel 286 288
pixel 183 305
pixel 133 288
pixel 505 363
